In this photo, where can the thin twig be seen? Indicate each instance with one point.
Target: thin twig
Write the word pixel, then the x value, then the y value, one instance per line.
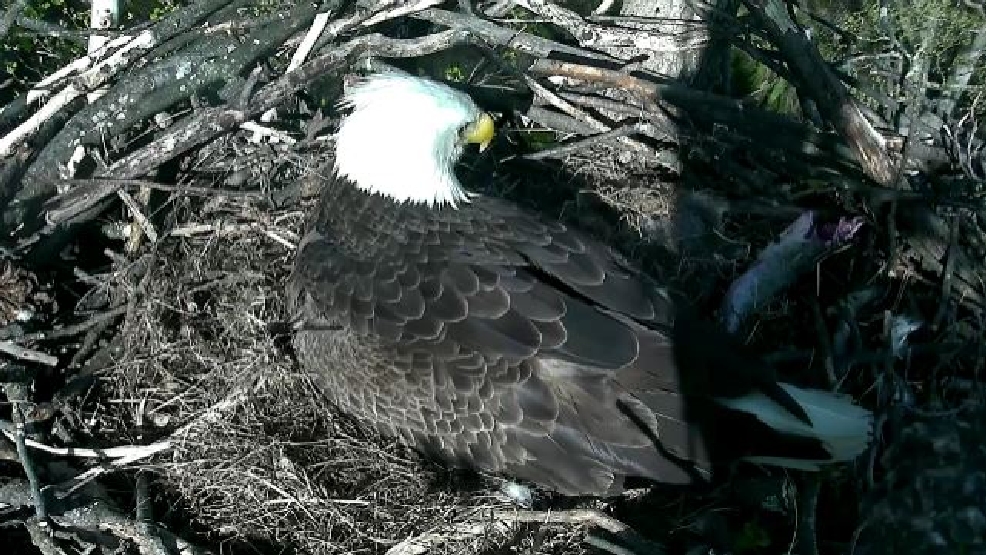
pixel 824 342
pixel 23 353
pixel 806 538
pixel 20 440
pixel 143 224
pixel 75 329
pixel 948 271
pixel 134 453
pixel 392 10
pixel 575 146
pixel 305 48
pixel 125 451
pixel 578 113
pixel 583 516
pixel 226 229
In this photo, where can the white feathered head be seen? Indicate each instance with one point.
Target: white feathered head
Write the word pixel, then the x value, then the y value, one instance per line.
pixel 404 136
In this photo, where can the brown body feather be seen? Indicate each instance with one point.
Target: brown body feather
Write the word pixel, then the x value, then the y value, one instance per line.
pixel 491 338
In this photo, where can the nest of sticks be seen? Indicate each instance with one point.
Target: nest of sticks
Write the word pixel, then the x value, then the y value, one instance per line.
pixel 152 401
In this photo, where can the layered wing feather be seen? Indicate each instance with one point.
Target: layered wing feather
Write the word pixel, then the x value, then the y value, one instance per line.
pixel 495 339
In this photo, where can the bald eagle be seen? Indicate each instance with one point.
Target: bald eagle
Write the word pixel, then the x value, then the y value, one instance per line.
pixel 490 337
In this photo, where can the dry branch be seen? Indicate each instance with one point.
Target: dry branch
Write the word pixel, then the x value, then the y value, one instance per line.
pixel 212 122
pixel 816 79
pixel 83 512
pixel 501 36
pixel 27 461
pixel 673 106
pixel 23 353
pixel 97 76
pixel 569 148
pixel 607 37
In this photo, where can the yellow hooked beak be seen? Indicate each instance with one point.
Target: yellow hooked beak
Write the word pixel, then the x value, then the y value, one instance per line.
pixel 480 131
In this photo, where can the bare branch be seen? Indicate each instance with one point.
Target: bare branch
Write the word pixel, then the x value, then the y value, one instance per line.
pixel 95 77
pixel 211 122
pixel 964 66
pixel 494 34
pixel 606 37
pixel 830 95
pixel 24 353
pixel 9 15
pixel 569 148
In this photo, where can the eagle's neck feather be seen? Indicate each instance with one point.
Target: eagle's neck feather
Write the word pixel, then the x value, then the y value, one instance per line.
pixel 365 223
pixel 420 174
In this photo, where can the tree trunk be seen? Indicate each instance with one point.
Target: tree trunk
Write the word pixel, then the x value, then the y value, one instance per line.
pixel 676 17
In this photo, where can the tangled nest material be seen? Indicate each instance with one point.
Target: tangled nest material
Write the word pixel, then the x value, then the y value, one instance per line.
pixel 173 389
